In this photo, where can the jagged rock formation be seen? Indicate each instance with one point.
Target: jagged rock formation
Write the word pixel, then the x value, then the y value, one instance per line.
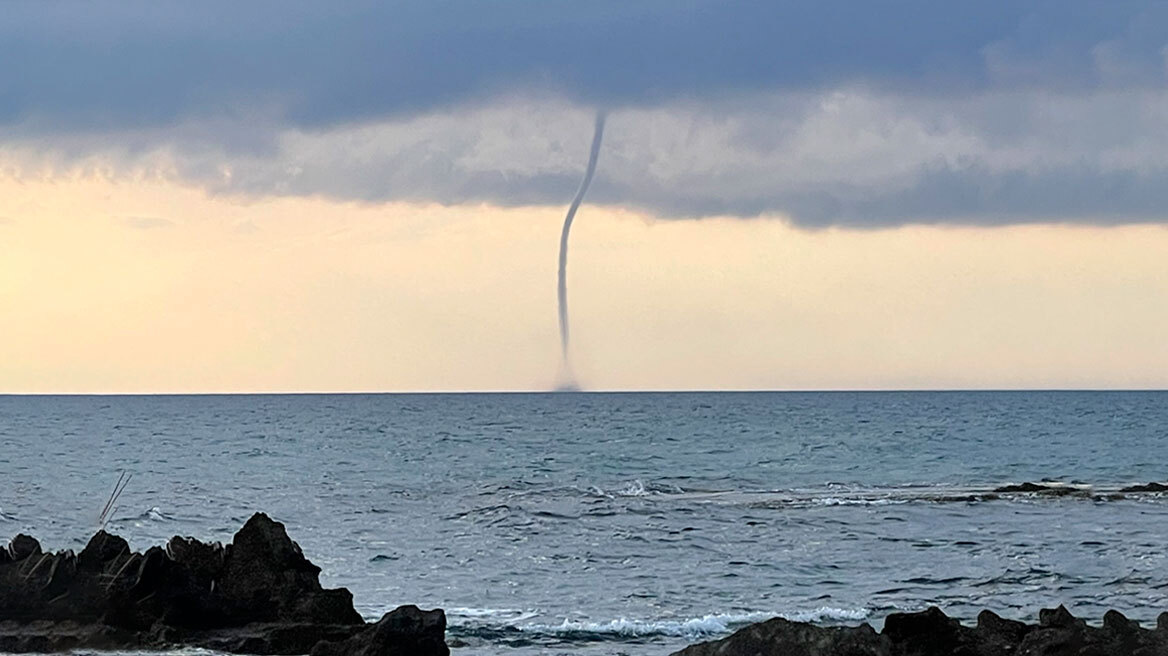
pixel 1046 489
pixel 1146 487
pixel 257 595
pixel 407 631
pixel 932 633
pixel 1055 490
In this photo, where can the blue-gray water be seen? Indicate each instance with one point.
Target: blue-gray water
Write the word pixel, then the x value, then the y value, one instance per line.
pixel 628 523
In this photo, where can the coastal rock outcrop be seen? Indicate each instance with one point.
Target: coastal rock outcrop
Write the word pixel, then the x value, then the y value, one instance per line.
pixel 257 595
pixel 932 633
pixel 1145 487
pixel 1057 489
pixel 406 631
pixel 1045 489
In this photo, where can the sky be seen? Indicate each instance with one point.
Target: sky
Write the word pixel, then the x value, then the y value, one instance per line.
pixel 360 196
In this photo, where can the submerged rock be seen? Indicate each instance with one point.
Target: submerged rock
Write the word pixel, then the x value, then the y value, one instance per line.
pixel 1145 487
pixel 258 594
pixel 1047 489
pixel 932 633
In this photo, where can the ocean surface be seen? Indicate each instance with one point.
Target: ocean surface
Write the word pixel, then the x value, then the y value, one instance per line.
pixel 630 523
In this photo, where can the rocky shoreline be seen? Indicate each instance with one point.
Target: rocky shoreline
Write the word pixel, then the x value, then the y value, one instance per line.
pixel 932 633
pixel 260 595
pixel 257 595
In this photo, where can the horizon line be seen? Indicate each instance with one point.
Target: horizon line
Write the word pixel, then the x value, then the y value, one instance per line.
pixel 612 391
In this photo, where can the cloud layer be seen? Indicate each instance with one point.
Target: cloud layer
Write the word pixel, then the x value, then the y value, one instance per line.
pixel 830 113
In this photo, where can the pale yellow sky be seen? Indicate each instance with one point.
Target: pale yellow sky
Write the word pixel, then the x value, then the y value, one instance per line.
pixel 144 285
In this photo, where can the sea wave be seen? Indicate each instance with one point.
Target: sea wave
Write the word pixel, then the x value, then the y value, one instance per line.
pixel 470 624
pixel 503 615
pixel 152 514
pixel 636 488
pixel 838 495
pixel 638 497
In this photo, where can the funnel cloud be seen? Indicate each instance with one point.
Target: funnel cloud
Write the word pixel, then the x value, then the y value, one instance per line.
pixel 567 379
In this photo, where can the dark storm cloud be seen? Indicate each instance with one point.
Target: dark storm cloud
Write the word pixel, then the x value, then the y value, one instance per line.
pixel 127 63
pixel 989 112
pixel 969 196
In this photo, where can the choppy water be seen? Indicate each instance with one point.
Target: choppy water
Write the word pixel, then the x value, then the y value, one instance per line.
pixel 629 523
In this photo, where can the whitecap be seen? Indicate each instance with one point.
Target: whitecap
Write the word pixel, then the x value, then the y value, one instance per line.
pixel 155 514
pixel 506 615
pixel 633 489
pixel 711 625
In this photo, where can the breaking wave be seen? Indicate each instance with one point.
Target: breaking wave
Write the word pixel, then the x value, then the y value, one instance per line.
pixel 634 489
pixel 477 624
pixel 153 514
pixel 843 495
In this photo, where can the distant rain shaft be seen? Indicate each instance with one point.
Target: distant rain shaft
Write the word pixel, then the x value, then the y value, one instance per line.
pixel 568 380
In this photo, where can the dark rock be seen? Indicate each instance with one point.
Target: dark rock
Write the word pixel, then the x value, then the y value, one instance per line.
pixel 924 633
pixel 1052 642
pixel 59 574
pixel 1059 618
pixel 1011 631
pixel 102 548
pixel 155 589
pixel 1146 487
pixel 997 635
pixel 1022 487
pixel 269 638
pixel 404 631
pixel 23 546
pixel 204 561
pixel 780 637
pixel 1039 488
pixel 932 633
pixel 1162 622
pixel 257 595
pixel 265 577
pixel 1120 635
pixel 1116 622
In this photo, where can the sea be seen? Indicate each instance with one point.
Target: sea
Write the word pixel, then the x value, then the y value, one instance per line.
pixel 630 523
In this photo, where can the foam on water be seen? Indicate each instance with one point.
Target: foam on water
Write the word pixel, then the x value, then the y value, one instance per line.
pixel 507 616
pixel 705 626
pixel 633 489
pixel 155 514
pixel 638 489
